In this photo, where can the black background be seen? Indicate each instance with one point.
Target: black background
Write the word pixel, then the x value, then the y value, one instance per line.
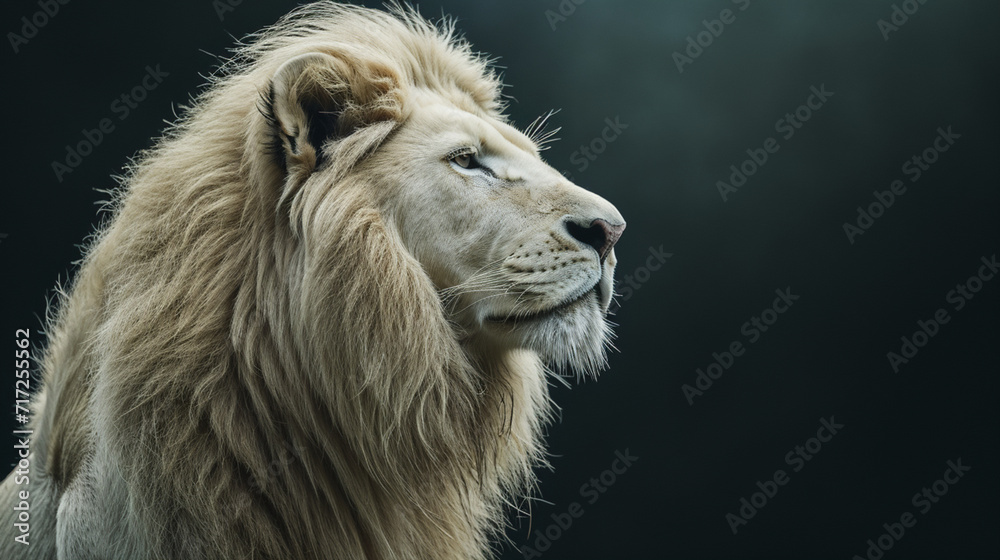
pixel 825 356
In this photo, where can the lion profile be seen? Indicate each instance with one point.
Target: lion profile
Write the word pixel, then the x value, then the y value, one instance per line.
pixel 318 321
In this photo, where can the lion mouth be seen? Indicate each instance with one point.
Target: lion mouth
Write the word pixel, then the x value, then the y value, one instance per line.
pixel 559 309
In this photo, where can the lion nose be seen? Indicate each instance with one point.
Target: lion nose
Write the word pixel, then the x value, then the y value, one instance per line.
pixel 599 234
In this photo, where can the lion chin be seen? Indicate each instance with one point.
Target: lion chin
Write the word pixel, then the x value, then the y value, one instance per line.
pixel 571 337
pixel 320 320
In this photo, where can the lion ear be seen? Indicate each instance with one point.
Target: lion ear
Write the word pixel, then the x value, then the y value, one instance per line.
pixel 305 100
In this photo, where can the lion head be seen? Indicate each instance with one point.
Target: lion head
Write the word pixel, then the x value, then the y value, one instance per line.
pixel 342 249
pixel 521 257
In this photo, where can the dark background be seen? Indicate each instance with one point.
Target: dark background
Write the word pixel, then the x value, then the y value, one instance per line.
pixel 825 356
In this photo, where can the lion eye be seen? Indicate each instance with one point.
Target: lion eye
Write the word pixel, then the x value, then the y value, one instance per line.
pixel 465 161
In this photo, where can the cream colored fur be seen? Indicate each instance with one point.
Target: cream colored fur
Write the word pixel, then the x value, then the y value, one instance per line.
pixel 312 327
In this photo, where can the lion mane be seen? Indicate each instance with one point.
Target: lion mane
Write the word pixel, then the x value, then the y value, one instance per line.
pixel 257 375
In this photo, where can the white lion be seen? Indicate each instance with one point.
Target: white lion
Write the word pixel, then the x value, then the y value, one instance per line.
pixel 317 322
